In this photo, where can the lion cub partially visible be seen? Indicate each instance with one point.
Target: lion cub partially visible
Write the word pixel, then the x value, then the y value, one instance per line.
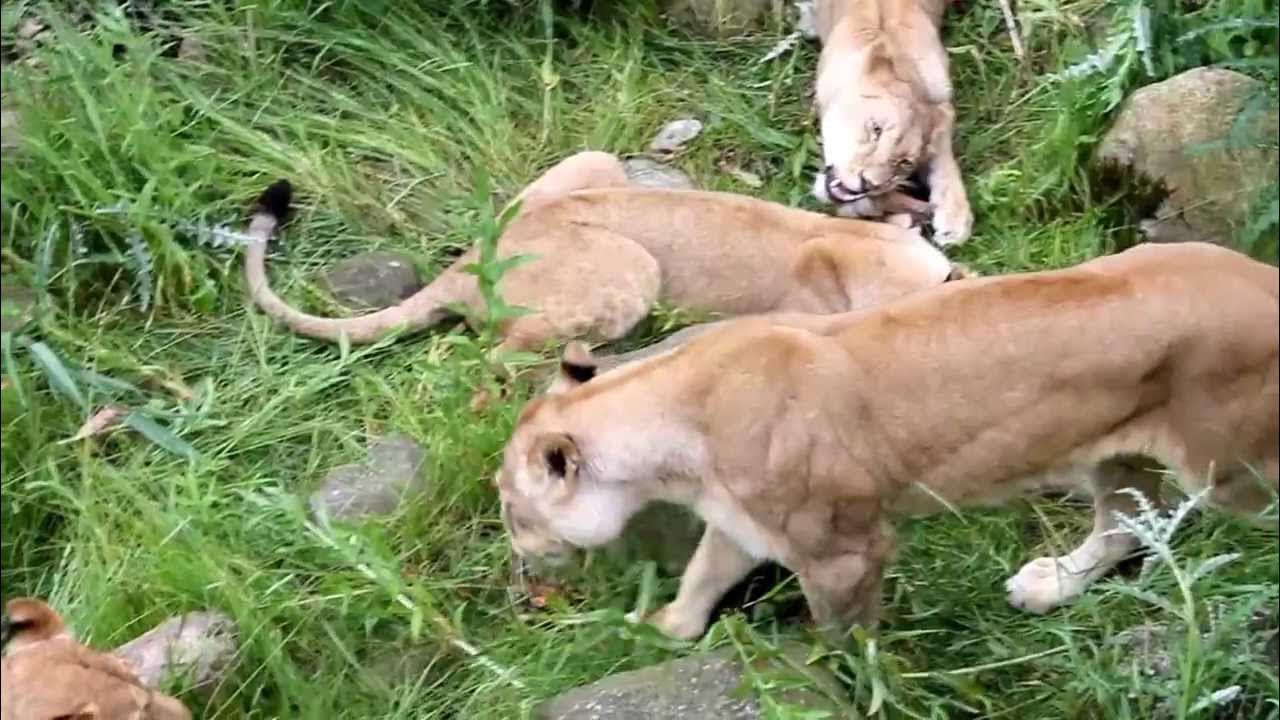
pixel 797 437
pixel 46 674
pixel 884 107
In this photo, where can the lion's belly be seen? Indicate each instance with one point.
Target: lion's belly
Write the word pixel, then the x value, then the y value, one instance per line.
pixel 917 500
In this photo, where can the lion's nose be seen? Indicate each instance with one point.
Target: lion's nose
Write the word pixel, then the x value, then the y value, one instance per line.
pixel 836 189
pixel 861 185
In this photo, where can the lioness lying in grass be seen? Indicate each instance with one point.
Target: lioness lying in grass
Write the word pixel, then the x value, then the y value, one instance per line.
pixel 605 251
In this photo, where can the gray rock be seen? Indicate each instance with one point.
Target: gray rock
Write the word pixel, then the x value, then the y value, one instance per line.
pixel 1161 133
pixel 18 306
pixel 394 668
pixel 651 173
pixel 373 280
pixel 376 487
pixel 675 134
pixel 10 131
pixel 191 49
pixel 197 647
pixel 1154 646
pixel 723 18
pixel 706 686
pixel 1150 645
pixel 667 344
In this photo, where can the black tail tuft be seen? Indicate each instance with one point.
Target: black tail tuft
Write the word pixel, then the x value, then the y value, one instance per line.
pixel 275 200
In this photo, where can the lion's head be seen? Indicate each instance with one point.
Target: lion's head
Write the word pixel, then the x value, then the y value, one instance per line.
pixel 552 501
pixel 876 122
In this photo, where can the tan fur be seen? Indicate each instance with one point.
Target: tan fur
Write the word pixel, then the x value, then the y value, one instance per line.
pixel 884 107
pixel 798 437
pixel 605 252
pixel 46 674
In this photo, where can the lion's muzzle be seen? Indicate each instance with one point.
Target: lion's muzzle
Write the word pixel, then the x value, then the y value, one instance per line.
pixel 838 191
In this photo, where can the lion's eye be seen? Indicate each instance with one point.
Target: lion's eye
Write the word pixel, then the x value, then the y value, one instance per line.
pixel 904 164
pixel 876 130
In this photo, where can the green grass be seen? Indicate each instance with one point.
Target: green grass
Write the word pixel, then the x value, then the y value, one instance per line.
pixel 382 119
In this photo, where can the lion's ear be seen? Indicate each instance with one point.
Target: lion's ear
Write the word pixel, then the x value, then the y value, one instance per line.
pixel 577 366
pixel 558 456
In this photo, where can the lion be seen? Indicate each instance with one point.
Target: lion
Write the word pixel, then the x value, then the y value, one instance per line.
pixel 47 674
pixel 800 438
pixel 883 97
pixel 604 251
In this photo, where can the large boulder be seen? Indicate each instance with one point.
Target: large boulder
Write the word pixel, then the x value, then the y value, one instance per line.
pixel 706 686
pixel 1172 133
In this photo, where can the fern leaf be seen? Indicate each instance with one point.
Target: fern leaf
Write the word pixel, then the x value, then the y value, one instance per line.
pixel 1142 37
pixel 56 372
pixel 1231 24
pixel 140 255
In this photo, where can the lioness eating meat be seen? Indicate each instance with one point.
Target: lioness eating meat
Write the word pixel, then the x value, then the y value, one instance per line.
pixel 48 675
pixel 798 437
pixel 884 107
pixel 604 252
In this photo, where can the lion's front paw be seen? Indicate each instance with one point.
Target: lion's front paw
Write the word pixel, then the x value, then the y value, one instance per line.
pixel 1042 585
pixel 675 623
pixel 952 218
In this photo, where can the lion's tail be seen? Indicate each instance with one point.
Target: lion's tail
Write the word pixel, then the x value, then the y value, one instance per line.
pixel 423 309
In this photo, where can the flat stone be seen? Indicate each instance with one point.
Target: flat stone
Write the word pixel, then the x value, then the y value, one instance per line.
pixel 391 472
pixel 197 647
pixel 705 686
pixel 373 280
pixel 10 131
pixel 1165 132
pixel 191 49
pixel 19 305
pixel 675 134
pixel 392 669
pixel 651 173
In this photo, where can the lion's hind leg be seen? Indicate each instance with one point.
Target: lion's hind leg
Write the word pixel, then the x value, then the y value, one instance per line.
pixel 1049 582
pixel 580 171
pixel 833 275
